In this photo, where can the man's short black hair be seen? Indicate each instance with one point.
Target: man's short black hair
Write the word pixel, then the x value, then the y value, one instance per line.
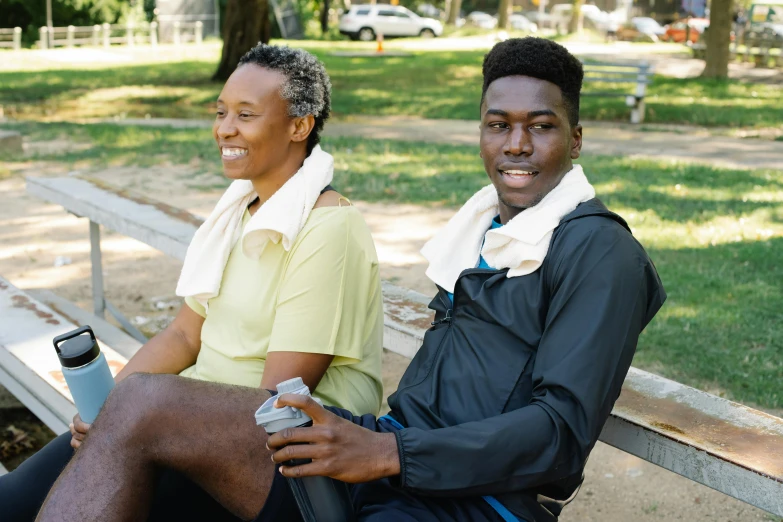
pixel 537 58
pixel 307 87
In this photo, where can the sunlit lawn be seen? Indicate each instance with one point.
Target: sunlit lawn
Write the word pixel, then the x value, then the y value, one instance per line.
pixel 443 84
pixel 716 235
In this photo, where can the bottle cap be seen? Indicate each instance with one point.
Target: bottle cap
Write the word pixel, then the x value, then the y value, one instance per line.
pixel 277 419
pixel 74 349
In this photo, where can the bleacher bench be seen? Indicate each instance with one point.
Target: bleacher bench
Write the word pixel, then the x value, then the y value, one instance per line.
pixel 29 367
pixel 637 74
pixel 724 445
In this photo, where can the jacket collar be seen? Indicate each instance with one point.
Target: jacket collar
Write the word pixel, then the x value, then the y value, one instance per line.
pixel 593 207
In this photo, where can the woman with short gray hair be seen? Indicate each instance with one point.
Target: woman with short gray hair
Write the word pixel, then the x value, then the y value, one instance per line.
pixel 281 280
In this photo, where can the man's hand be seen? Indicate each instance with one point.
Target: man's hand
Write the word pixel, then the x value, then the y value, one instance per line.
pixel 79 430
pixel 338 448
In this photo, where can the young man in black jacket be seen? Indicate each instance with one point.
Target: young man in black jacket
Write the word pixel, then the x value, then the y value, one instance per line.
pixel 542 295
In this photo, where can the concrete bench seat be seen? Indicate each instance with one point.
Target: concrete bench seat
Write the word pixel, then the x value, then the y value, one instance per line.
pixel 724 445
pixel 29 367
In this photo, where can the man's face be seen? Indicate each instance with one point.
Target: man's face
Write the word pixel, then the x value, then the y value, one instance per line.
pixel 252 128
pixel 527 143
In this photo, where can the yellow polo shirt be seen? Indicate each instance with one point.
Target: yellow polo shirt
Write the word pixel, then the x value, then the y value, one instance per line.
pixel 323 296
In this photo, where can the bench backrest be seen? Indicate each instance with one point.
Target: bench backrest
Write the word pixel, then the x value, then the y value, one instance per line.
pixel 607 72
pixel 724 445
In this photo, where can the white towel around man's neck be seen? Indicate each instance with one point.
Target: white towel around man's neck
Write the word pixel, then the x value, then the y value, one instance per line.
pixel 280 218
pixel 521 245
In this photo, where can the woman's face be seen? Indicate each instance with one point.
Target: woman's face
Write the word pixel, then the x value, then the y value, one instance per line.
pixel 252 128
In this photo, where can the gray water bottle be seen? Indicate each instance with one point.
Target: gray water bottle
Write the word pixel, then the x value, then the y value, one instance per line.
pixel 85 370
pixel 320 499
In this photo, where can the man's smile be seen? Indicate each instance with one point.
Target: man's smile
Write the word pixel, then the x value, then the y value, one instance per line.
pixel 517 178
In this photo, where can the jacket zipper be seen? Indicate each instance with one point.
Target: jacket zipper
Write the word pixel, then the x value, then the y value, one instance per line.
pixel 448 321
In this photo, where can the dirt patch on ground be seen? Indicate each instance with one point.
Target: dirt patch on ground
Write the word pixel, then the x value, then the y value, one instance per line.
pixel 45 247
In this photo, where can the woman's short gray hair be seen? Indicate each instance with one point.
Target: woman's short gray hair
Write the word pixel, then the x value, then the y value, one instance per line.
pixel 307 87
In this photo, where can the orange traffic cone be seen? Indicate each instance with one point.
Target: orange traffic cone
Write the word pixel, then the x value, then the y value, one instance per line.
pixel 379 39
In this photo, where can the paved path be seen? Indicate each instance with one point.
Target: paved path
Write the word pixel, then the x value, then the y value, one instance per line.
pixel 693 145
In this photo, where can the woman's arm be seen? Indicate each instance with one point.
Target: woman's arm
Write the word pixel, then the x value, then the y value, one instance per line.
pixel 172 350
pixel 281 366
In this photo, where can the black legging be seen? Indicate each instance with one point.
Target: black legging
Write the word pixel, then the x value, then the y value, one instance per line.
pixel 23 491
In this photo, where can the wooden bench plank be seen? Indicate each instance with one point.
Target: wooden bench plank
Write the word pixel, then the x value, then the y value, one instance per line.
pixel 122 343
pixel 154 223
pixel 29 367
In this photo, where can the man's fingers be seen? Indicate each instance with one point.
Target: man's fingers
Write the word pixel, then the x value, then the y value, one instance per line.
pixel 75 444
pixel 305 403
pixel 305 470
pixel 299 451
pixel 298 436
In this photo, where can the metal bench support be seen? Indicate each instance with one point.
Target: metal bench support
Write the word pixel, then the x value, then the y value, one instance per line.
pixel 100 304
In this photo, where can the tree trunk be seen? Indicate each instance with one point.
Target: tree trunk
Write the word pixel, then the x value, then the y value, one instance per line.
pixel 325 17
pixel 717 39
pixel 503 13
pixel 575 24
pixel 245 23
pixel 456 5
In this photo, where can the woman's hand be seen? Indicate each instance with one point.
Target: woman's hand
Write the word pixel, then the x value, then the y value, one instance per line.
pixel 79 430
pixel 338 448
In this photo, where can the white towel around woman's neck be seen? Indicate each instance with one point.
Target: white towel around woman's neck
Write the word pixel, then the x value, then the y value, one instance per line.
pixel 280 218
pixel 521 245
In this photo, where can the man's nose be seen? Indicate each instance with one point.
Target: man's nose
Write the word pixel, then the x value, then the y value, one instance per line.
pixel 518 142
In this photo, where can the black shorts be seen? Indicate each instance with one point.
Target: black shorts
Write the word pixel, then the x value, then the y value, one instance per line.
pixel 379 501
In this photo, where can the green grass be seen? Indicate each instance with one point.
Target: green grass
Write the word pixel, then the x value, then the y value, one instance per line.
pixel 716 235
pixel 444 84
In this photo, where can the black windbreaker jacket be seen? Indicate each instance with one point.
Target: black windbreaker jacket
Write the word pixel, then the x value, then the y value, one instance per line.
pixel 513 384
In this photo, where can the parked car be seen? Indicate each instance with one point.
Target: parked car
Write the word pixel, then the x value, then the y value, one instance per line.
pixel 641 28
pixel 539 18
pixel 676 31
pixel 521 23
pixel 766 34
pixel 482 20
pixel 364 22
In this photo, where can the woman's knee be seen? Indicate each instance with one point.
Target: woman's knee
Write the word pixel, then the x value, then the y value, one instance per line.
pixel 131 405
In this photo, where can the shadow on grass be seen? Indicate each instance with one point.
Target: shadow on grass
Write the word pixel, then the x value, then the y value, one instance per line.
pixel 720 328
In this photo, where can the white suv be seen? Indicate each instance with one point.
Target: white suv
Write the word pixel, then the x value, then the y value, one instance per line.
pixel 364 22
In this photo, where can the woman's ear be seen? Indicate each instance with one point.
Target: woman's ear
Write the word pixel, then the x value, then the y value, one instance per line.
pixel 303 126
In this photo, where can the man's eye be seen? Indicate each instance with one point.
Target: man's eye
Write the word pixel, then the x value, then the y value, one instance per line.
pixel 245 115
pixel 542 126
pixel 498 125
pixel 220 113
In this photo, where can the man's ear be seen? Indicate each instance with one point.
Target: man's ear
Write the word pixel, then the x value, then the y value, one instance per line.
pixel 576 143
pixel 303 126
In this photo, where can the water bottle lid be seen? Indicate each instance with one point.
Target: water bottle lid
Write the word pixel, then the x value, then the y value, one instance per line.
pixel 277 419
pixel 75 349
pixel 294 385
